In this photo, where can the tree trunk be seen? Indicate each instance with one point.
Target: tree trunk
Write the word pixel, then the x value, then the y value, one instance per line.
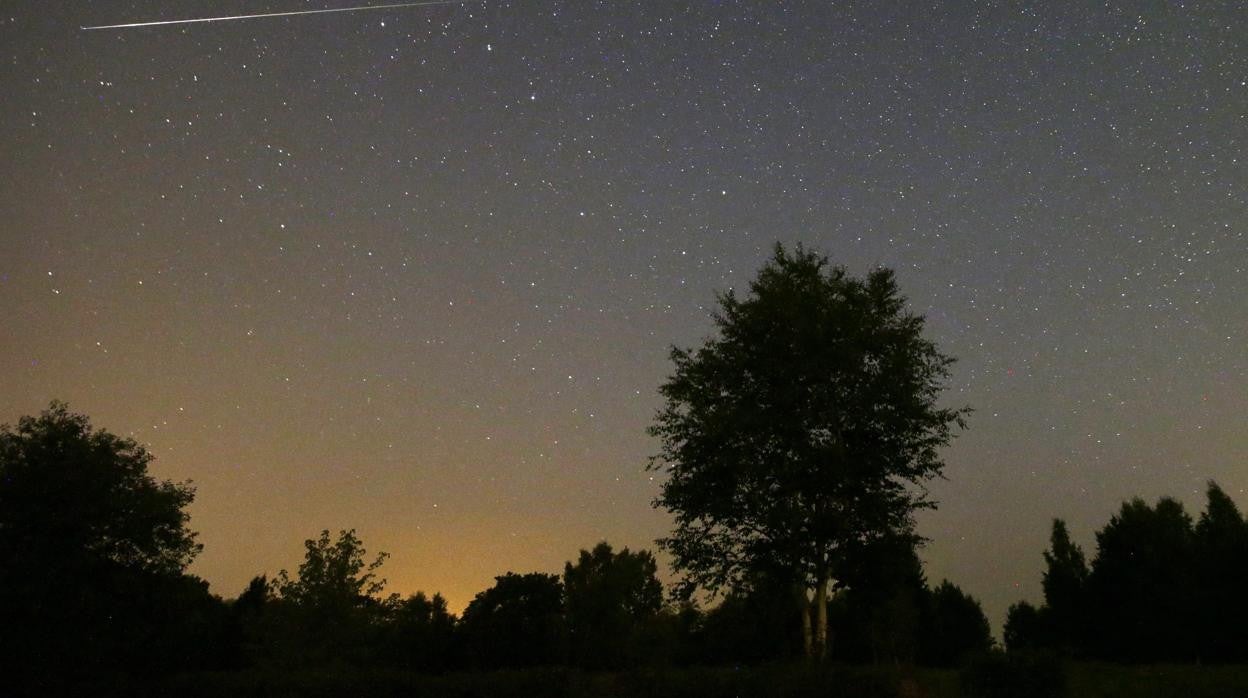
pixel 821 619
pixel 804 604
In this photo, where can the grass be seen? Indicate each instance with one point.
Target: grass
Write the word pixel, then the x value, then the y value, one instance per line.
pixel 1089 680
pixel 772 681
pixel 1084 680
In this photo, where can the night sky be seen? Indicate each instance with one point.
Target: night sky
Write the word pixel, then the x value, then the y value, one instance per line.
pixel 416 271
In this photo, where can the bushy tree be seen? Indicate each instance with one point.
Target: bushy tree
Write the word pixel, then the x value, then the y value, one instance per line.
pixel 609 598
pixel 1159 588
pixel 333 574
pixel 73 496
pixel 1025 628
pixel 516 623
pixel 332 609
pixel 880 604
pixel 794 437
pixel 1065 593
pixel 421 633
pixel 888 613
pixel 1141 584
pixel 247 625
pixel 93 550
pixel 757 621
pixel 955 626
pixel 1221 540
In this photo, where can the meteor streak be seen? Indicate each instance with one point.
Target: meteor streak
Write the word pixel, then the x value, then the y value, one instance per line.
pixel 277 14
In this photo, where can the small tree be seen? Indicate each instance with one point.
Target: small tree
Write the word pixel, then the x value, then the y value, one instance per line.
pixel 333 574
pixel 1222 577
pixel 1025 628
pixel 956 626
pixel 1065 581
pixel 753 623
pixel 609 596
pixel 248 616
pixel 516 623
pixel 421 633
pixel 799 434
pixel 333 604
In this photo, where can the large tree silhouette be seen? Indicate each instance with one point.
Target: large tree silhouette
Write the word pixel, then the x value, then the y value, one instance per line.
pixel 1222 578
pixel 71 495
pixel 796 435
pixel 1142 583
pixel 92 551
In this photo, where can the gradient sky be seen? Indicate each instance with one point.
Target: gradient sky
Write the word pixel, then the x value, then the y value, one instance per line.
pixel 416 271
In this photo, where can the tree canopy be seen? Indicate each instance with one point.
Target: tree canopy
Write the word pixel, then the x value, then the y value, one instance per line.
pixel 1141 582
pixel 608 597
pixel 333 573
pixel 1160 587
pixel 73 495
pixel 332 607
pixel 93 550
pixel 803 431
pixel 1065 581
pixel 518 622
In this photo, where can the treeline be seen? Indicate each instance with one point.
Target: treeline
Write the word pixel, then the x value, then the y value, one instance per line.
pixel 1161 588
pixel 93 583
pixel 605 612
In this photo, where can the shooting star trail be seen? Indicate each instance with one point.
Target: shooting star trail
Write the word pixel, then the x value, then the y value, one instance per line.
pixel 276 14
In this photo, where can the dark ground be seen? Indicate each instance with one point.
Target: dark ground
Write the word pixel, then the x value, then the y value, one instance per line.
pixel 1082 680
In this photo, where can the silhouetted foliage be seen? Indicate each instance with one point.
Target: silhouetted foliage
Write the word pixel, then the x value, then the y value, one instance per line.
pixel 955 627
pixel 791 439
pixel 71 495
pixel 1221 539
pixel 609 598
pixel 1141 584
pixel 759 621
pixel 255 597
pixel 880 604
pixel 518 622
pixel 248 614
pixel 887 613
pixel 115 605
pixel 1064 584
pixel 333 574
pixel 171 623
pixel 92 553
pixel 330 612
pixel 1025 628
pixel 1159 588
pixel 421 634
pixel 672 637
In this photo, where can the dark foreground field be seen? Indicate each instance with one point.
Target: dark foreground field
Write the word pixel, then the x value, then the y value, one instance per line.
pixel 1080 680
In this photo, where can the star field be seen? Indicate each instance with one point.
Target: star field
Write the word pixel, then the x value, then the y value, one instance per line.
pixel 416 271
